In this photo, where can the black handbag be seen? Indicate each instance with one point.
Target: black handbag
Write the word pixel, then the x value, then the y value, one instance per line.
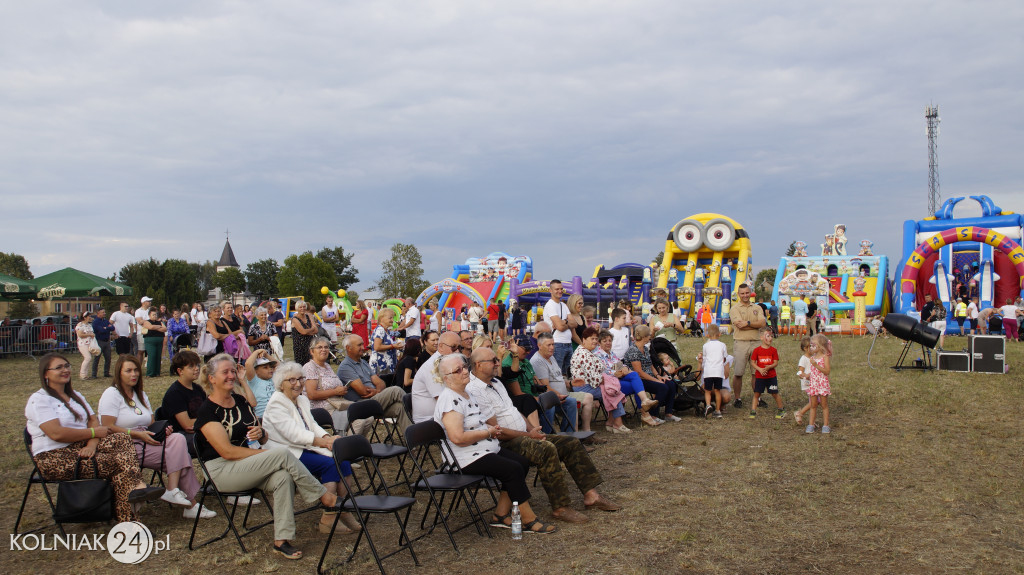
pixel 159 429
pixel 84 500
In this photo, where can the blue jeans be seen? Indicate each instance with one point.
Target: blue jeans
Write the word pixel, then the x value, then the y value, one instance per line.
pixel 568 424
pixel 322 467
pixel 563 353
pixel 632 384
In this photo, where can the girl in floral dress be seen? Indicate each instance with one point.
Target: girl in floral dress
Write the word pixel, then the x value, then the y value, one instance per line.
pixel 818 388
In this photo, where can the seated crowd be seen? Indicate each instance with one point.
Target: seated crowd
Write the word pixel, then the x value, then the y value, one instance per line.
pixel 252 417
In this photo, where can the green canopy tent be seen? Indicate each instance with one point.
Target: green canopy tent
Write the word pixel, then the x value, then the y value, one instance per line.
pixel 14 288
pixel 69 282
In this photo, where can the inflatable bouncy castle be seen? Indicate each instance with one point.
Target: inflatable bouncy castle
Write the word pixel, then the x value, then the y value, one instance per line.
pixel 981 254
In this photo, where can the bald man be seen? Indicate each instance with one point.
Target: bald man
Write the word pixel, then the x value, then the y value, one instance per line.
pixel 362 383
pixel 426 385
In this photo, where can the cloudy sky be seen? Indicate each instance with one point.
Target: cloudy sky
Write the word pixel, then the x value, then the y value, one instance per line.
pixel 577 133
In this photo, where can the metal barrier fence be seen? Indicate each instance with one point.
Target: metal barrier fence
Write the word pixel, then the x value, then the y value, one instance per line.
pixel 35 340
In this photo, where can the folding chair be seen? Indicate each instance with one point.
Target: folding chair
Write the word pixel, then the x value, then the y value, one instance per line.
pixel 158 474
pixel 36 478
pixel 549 399
pixel 353 449
pixel 367 409
pixel 420 438
pixel 323 419
pixel 210 487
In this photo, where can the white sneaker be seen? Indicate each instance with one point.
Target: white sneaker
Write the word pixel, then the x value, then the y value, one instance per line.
pixel 176 497
pixel 204 513
pixel 243 500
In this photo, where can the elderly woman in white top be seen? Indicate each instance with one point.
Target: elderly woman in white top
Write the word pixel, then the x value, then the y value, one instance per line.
pixel 85 338
pixel 323 386
pixel 125 408
pixel 290 424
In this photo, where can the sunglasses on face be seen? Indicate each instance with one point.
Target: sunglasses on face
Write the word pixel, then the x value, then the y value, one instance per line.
pixel 460 369
pixel 132 404
pixel 60 367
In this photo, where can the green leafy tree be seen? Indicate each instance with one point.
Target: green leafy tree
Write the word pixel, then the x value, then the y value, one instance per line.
pixel 402 273
pixel 345 273
pixel 204 276
pixel 179 283
pixel 230 281
pixel 764 283
pixel 15 265
pixel 657 259
pixel 144 276
pixel 23 309
pixel 261 277
pixel 303 275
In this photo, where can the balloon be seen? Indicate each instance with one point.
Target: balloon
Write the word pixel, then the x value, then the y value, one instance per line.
pixel 341 293
pixel 324 290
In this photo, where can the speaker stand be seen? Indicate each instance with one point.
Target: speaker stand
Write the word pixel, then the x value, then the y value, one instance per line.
pixel 926 356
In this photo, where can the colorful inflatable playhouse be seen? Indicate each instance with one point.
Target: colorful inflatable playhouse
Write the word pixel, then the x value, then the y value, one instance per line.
pixel 706 256
pixel 629 281
pixel 479 279
pixel 982 254
pixel 852 287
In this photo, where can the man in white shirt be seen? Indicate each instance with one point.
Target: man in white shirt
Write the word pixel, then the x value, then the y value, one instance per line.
pixel 141 315
pixel 557 314
pixel 426 385
pixel 411 323
pixel 475 313
pixel 547 452
pixel 124 327
pixel 329 318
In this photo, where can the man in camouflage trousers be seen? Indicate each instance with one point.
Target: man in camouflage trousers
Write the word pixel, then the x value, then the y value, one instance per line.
pixel 547 452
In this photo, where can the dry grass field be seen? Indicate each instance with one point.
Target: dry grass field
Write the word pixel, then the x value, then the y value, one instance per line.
pixel 922 474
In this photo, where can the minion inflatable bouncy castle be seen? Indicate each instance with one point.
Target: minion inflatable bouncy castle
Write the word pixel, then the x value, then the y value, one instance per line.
pixel 706 256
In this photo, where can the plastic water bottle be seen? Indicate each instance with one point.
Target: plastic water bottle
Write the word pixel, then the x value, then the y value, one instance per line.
pixel 517 522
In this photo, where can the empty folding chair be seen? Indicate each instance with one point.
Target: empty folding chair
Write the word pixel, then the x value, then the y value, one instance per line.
pixel 354 449
pixel 370 409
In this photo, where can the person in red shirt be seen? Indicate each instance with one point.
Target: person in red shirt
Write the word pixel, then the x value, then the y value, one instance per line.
pixel 763 360
pixel 492 318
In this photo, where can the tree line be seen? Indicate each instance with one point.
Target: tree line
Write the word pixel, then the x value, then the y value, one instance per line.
pixel 176 281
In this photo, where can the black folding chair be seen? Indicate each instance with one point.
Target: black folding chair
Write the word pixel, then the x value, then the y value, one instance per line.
pixel 158 474
pixel 36 478
pixel 370 409
pixel 210 488
pixel 323 419
pixel 356 448
pixel 549 399
pixel 420 438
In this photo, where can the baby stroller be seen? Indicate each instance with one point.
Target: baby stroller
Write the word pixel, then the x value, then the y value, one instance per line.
pixel 183 341
pixel 689 393
pixel 694 329
pixel 660 345
pixel 332 354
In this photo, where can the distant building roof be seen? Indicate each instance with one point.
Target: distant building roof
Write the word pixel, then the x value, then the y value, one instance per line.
pixel 227 257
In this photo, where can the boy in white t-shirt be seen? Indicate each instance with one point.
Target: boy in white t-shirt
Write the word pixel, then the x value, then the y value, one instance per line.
pixel 803 372
pixel 620 333
pixel 714 370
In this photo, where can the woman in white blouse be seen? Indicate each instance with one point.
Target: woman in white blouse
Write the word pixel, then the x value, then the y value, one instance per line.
pixel 66 435
pixel 85 338
pixel 290 424
pixel 125 408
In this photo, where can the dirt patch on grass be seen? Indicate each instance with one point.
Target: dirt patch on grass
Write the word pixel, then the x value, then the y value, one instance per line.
pixel 921 474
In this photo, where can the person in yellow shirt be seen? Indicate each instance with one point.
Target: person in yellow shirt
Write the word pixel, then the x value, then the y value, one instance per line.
pixel 785 315
pixel 961 314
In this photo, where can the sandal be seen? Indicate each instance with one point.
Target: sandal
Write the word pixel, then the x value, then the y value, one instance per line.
pixel 543 528
pixel 288 551
pixel 499 521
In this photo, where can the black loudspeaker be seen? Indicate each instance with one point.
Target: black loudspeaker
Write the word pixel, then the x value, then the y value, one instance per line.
pixel 954 361
pixel 909 329
pixel 988 353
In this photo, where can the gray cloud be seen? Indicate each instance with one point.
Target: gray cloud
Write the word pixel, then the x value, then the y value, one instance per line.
pixel 574 132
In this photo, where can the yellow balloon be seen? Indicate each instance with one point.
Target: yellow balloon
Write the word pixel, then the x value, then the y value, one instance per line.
pixel 341 293
pixel 324 290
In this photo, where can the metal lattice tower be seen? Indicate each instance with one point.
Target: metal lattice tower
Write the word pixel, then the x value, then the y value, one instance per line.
pixel 931 114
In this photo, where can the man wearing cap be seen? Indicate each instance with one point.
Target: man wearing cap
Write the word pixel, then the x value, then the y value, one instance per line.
pixel 259 370
pixel 141 315
pixel 362 383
